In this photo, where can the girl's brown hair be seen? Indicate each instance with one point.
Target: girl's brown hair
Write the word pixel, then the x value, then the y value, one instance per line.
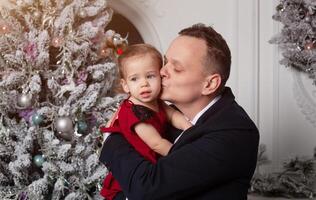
pixel 138 50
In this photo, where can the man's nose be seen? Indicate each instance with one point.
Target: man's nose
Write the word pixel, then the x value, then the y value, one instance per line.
pixel 164 71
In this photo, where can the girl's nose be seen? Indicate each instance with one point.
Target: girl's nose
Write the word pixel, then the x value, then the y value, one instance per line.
pixel 144 82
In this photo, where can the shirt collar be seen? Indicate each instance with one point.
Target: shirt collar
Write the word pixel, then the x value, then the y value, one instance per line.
pixel 197 116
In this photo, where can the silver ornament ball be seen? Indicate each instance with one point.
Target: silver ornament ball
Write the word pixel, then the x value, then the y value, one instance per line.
pixel 117 40
pixel 64 124
pixel 65 135
pixel 24 100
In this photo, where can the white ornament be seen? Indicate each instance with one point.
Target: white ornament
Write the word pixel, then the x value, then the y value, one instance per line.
pixel 24 100
pixel 82 13
pixel 68 87
pixel 64 124
pixel 117 40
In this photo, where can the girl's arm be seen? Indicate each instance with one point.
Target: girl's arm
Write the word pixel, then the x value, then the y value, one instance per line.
pixel 176 118
pixel 152 138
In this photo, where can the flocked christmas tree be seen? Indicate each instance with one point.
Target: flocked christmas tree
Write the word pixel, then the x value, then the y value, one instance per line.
pixel 298 35
pixel 57 72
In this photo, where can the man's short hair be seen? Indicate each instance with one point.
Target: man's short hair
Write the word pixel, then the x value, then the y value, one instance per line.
pixel 218 57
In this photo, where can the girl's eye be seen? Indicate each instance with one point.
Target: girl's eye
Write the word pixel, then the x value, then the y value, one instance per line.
pixel 151 76
pixel 133 79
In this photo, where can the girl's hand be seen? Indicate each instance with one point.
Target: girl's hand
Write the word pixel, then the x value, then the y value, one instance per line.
pixel 112 119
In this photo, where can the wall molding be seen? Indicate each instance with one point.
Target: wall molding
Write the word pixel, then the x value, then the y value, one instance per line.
pixel 269 84
pixel 247 51
pixel 277 161
pixel 153 5
pixel 131 10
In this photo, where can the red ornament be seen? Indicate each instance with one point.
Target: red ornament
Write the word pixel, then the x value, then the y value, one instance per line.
pixel 119 51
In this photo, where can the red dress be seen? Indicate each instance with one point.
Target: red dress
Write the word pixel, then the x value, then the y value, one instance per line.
pixel 128 116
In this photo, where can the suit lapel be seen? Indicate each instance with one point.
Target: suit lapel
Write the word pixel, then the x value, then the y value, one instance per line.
pixel 187 136
pixel 204 123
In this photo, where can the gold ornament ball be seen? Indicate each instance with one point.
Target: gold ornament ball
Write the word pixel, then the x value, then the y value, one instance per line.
pixel 57 41
pixel 109 42
pixel 104 52
pixel 309 46
pixel 37 14
pixel 4 28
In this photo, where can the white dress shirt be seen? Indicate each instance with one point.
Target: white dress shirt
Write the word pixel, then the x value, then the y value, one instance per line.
pixel 197 116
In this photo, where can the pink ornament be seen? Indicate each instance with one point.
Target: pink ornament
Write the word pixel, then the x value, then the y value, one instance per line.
pixel 31 51
pixel 82 77
pixel 26 114
pixel 65 81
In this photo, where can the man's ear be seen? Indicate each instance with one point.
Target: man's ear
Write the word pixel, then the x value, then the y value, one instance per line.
pixel 211 84
pixel 124 86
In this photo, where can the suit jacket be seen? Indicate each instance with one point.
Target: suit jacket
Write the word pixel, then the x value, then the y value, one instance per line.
pixel 213 160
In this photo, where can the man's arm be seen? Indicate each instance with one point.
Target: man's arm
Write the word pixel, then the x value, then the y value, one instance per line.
pixel 204 163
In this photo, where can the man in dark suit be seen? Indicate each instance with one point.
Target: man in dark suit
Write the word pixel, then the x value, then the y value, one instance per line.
pixel 215 158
